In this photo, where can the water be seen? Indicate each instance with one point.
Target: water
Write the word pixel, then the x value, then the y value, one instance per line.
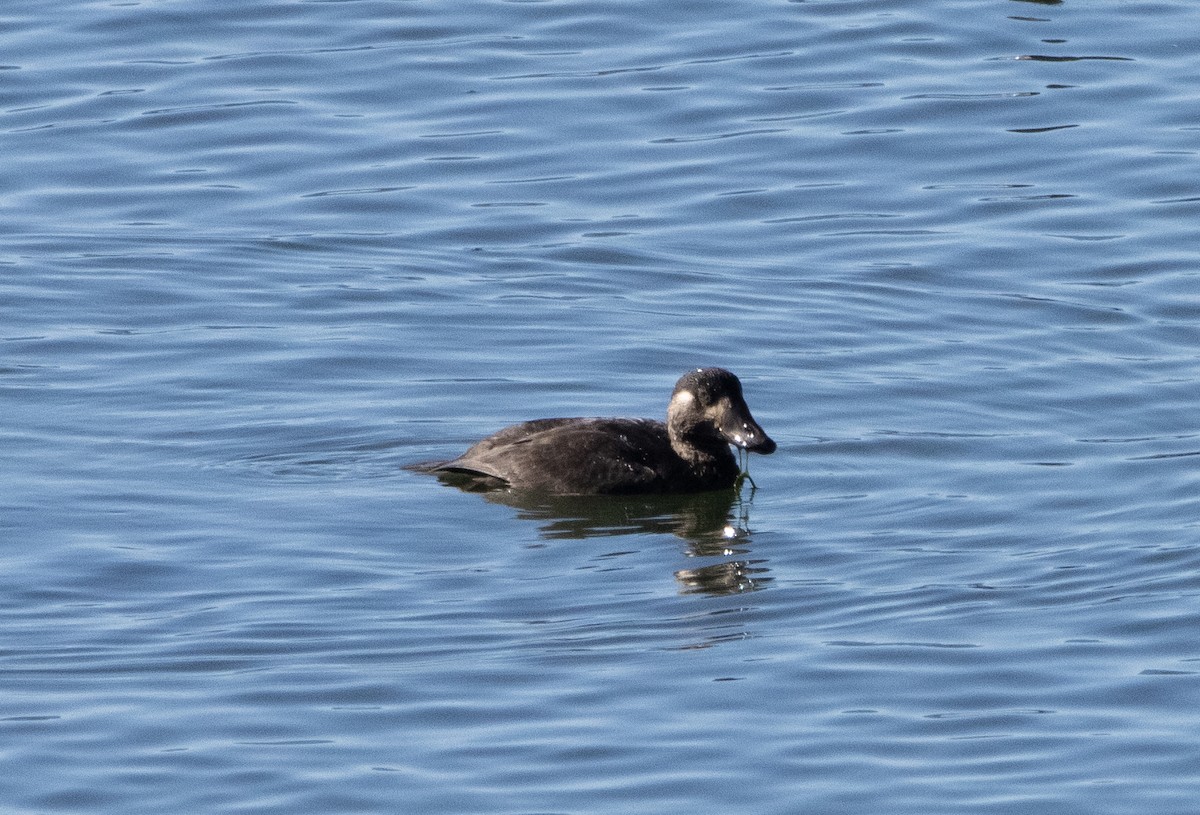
pixel 257 258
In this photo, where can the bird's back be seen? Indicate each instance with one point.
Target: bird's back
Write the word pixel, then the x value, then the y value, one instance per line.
pixel 577 456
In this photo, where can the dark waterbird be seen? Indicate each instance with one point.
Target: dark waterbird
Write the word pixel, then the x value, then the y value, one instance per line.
pixel 688 453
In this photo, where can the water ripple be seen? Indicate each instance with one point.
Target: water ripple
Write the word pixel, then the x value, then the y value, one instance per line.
pixel 260 258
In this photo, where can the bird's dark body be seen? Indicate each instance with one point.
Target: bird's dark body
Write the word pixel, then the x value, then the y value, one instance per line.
pixel 584 456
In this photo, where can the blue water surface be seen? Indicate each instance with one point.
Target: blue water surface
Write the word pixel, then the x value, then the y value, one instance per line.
pixel 258 257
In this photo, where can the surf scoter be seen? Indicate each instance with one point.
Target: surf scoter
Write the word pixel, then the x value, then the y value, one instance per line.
pixel 688 453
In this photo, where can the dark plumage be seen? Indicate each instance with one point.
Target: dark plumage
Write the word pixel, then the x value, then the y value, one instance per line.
pixel 688 453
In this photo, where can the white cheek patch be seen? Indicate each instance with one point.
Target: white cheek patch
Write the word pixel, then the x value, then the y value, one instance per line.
pixel 683 399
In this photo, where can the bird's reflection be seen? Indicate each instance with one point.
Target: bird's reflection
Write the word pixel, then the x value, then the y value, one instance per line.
pixel 729 577
pixel 714 524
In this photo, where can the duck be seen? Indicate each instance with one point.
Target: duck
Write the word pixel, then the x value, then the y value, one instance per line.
pixel 688 453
